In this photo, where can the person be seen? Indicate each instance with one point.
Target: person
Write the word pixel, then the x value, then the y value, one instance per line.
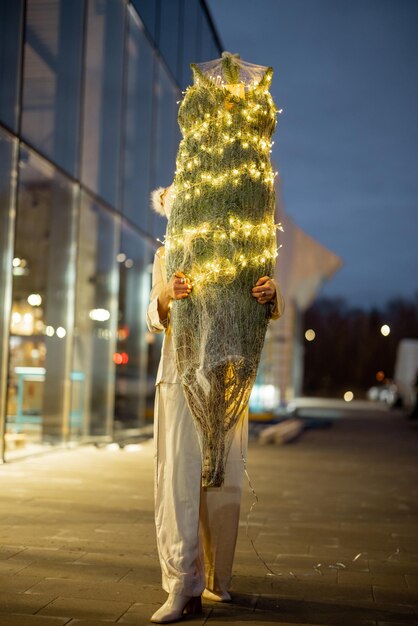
pixel 196 527
pixel 413 415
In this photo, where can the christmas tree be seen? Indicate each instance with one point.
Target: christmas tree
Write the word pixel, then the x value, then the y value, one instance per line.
pixel 222 235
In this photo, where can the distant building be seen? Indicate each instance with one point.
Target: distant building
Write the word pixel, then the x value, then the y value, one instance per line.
pixel 88 126
pixel 303 266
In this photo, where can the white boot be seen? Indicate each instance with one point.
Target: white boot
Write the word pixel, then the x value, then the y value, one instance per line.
pixel 216 596
pixel 175 607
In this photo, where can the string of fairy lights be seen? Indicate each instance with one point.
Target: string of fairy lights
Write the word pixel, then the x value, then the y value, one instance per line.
pixel 213 135
pixel 227 177
pixel 237 233
pixel 224 117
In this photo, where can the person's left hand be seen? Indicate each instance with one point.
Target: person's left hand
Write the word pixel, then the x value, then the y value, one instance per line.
pixel 264 290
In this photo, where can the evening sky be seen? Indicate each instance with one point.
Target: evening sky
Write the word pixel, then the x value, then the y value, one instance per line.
pixel 346 76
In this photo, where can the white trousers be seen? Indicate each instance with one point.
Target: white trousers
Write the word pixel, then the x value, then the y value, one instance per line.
pixel 196 527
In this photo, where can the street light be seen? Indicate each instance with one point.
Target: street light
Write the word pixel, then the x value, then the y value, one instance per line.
pixel 385 330
pixel 310 334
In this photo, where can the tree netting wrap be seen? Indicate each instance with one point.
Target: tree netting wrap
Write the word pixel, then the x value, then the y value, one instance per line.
pixel 221 234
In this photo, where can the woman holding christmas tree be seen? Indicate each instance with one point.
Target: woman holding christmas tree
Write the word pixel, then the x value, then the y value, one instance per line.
pixel 213 294
pixel 196 526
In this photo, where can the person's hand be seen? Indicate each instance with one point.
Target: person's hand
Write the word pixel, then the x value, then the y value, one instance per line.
pixel 179 286
pixel 264 290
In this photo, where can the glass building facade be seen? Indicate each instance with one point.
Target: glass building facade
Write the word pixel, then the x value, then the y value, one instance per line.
pixel 88 126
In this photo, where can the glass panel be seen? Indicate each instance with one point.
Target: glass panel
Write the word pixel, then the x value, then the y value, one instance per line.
pixel 215 51
pixel 166 141
pixel 43 304
pixel 169 31
pixel 207 40
pixel 148 12
pixel 93 370
pixel 199 28
pixel 52 75
pixel 131 353
pixel 154 341
pixel 8 151
pixel 138 120
pixel 10 48
pixel 190 40
pixel 103 101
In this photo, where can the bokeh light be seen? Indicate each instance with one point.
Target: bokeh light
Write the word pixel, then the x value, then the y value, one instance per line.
pixel 310 334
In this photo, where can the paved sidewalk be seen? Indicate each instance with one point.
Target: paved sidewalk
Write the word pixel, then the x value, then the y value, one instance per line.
pixel 336 523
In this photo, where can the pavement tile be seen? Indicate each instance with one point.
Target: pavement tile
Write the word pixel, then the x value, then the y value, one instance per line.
pixel 326 611
pixel 280 574
pixel 262 585
pixel 12 566
pixel 8 551
pixel 333 553
pixel 396 596
pixel 88 622
pixel 77 571
pixel 393 567
pixel 129 559
pixel 80 607
pixel 309 563
pixel 138 576
pixel 363 578
pixel 22 603
pixel 31 540
pixel 274 547
pixel 32 620
pixel 122 592
pixel 350 594
pixel 277 612
pixel 219 619
pixel 15 584
pixel 49 555
pixel 403 623
pixel 412 582
pixel 139 614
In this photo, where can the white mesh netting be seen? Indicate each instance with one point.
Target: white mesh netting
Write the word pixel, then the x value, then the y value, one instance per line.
pixel 221 233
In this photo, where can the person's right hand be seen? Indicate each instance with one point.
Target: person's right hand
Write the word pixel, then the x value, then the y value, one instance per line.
pixel 179 286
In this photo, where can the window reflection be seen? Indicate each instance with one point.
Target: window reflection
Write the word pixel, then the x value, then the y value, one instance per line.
pixel 93 368
pixel 41 316
pixel 166 140
pixel 10 42
pixel 148 13
pixel 132 345
pixel 207 41
pixel 51 81
pixel 138 128
pixel 190 41
pixel 103 98
pixel 8 150
pixel 169 32
pixel 79 364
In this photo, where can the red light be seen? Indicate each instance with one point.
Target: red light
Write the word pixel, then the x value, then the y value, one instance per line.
pixel 117 358
pixel 125 358
pixel 123 333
